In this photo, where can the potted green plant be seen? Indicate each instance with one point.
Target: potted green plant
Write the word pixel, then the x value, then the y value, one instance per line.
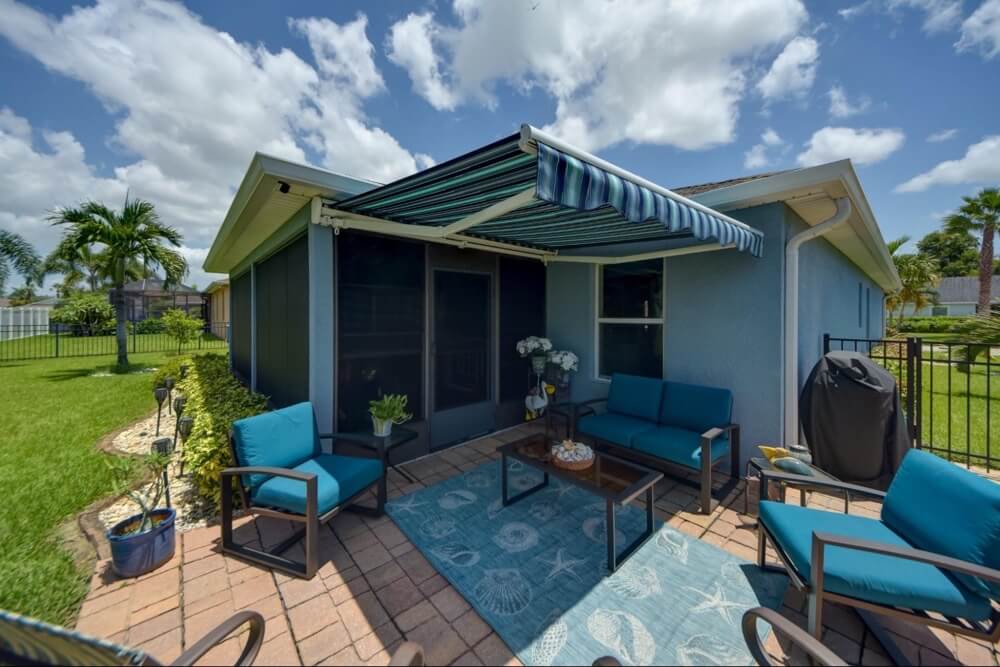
pixel 386 411
pixel 143 541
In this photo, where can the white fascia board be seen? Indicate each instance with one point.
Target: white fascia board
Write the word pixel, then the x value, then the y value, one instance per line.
pixel 639 257
pixel 813 182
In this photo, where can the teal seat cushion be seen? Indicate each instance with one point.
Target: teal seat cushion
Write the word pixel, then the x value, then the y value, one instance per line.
pixel 613 427
pixel 940 507
pixel 694 407
pixel 635 396
pixel 677 445
pixel 279 439
pixel 863 575
pixel 337 479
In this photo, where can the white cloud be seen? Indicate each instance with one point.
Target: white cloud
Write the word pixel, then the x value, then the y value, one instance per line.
pixel 939 15
pixel 863 146
pixel 943 135
pixel 792 73
pixel 981 31
pixel 411 46
pixel 191 104
pixel 841 105
pixel 981 164
pixel 676 78
pixel 758 156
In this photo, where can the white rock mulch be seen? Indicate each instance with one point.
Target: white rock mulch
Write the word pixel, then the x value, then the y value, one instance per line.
pixel 192 511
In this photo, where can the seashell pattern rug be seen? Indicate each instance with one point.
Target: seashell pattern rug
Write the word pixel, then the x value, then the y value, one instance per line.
pixel 536 572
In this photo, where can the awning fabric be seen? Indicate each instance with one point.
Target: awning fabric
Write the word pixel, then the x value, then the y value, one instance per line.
pixel 568 181
pixel 577 204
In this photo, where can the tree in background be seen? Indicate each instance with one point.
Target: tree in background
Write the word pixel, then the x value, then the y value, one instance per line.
pixel 85 265
pixel 918 274
pixel 181 327
pixel 979 215
pixel 16 253
pixel 134 234
pixel 23 295
pixel 86 313
pixel 956 253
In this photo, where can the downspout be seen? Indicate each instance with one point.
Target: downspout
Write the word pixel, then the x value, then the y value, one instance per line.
pixel 792 314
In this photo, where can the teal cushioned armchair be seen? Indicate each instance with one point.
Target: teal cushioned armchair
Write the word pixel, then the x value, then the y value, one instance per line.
pixel 933 557
pixel 281 471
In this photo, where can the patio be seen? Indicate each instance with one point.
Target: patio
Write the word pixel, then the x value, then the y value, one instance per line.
pixel 374 589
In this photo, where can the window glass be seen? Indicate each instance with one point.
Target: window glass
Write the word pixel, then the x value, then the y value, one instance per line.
pixel 632 290
pixel 636 349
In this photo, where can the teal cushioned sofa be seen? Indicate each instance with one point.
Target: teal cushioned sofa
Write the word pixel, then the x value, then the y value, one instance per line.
pixel 658 421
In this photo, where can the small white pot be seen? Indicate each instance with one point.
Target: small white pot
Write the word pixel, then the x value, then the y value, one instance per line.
pixel 382 427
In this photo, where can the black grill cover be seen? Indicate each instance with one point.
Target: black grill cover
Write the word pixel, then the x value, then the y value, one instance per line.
pixel 852 419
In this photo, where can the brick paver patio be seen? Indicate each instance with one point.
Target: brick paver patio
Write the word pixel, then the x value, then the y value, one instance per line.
pixel 375 589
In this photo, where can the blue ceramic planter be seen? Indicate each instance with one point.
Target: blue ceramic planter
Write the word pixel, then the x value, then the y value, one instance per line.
pixel 134 555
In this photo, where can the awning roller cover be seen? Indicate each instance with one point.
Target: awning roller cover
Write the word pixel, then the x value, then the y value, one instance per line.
pixel 569 182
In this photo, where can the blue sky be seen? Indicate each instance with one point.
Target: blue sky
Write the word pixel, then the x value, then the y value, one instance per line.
pixel 170 101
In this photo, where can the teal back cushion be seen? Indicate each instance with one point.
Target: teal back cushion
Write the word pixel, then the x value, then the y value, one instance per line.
pixel 283 438
pixel 937 506
pixel 635 396
pixel 694 407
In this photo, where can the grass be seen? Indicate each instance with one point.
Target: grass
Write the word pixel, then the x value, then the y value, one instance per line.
pixel 49 346
pixel 54 412
pixel 963 421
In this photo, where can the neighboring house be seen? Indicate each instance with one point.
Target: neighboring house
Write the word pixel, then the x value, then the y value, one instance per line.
pixel 957 297
pixel 217 297
pixel 148 299
pixel 343 288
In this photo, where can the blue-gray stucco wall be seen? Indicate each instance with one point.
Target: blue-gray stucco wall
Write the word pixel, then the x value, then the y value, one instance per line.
pixel 723 318
pixel 835 297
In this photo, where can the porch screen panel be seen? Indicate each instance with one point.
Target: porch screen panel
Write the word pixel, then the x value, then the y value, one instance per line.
pixel 522 314
pixel 282 287
pixel 239 329
pixel 380 325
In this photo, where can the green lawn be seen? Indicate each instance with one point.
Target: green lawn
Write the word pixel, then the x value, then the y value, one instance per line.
pixel 54 412
pixel 49 346
pixel 963 422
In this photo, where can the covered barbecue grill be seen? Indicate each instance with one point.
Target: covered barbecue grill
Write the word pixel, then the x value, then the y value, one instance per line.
pixel 853 419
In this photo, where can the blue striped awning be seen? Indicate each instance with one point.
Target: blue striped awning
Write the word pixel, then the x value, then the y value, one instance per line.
pixel 577 204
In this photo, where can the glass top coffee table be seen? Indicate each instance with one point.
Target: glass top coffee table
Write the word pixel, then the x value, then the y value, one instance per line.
pixel 616 480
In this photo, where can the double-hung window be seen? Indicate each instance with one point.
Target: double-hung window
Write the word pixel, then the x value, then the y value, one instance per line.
pixel 630 319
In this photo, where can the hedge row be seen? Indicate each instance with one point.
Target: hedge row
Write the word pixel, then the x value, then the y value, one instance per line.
pixel 933 324
pixel 215 399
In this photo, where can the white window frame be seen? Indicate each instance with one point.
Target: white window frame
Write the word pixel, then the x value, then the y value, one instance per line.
pixel 598 320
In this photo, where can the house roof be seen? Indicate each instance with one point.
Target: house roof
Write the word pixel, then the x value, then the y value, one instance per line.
pixel 274 189
pixel 964 289
pixel 216 285
pixel 155 284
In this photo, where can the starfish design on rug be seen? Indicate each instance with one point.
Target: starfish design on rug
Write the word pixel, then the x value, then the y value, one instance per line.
pixel 562 564
pixel 408 505
pixel 718 603
pixel 561 489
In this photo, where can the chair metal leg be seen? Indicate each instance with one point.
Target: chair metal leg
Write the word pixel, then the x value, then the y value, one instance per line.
pixel 816 566
pixel 734 453
pixel 706 476
pixel 761 546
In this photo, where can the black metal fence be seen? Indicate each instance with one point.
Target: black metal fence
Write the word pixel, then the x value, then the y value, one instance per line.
pixel 51 341
pixel 946 391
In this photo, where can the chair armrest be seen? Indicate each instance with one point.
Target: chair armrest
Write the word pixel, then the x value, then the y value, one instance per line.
pixel 820 654
pixel 409 654
pixel 814 483
pixel 586 407
pixel 719 431
pixel 224 630
pixel 822 540
pixel 273 472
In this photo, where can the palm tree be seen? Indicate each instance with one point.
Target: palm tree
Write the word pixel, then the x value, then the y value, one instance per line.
pixel 979 214
pixel 86 265
pixel 917 273
pixel 133 235
pixel 17 253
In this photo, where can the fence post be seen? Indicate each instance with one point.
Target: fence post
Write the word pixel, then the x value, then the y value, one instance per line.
pixel 57 342
pixel 826 343
pixel 918 393
pixel 133 337
pixel 911 399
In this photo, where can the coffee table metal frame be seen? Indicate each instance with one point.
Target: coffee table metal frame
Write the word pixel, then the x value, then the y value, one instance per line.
pixel 644 485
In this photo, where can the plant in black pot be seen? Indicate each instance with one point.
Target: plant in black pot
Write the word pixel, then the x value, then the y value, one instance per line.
pixel 144 541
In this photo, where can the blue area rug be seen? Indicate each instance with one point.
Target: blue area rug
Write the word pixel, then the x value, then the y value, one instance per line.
pixel 536 572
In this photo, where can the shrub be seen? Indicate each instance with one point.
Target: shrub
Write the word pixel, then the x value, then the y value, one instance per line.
pixel 181 327
pixel 153 325
pixel 215 400
pixel 919 325
pixel 87 313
